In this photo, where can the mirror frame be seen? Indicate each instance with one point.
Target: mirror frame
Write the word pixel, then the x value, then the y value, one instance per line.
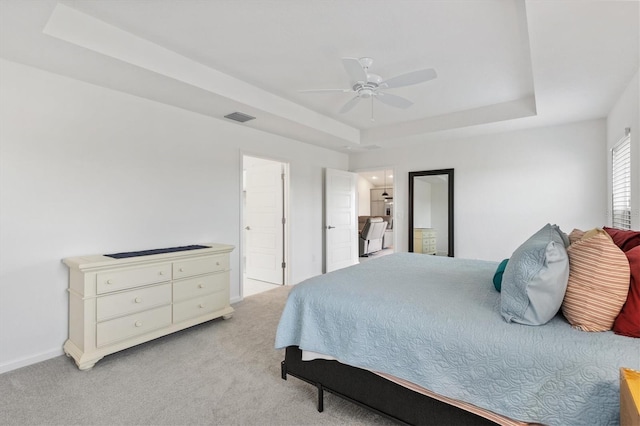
pixel 449 173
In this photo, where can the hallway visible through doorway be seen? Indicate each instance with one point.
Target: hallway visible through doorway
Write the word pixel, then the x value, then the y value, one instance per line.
pixel 376 199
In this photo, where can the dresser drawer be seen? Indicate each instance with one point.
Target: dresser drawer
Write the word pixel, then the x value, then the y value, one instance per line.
pixel 199 306
pixel 205 265
pixel 199 286
pixel 131 301
pixel 128 278
pixel 132 325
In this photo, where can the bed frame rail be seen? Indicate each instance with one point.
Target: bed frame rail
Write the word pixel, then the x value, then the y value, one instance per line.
pixel 373 392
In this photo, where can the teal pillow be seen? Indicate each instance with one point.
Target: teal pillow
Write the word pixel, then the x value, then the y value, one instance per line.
pixel 497 277
pixel 535 279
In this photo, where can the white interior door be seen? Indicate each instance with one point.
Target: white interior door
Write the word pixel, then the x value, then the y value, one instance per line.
pixel 341 227
pixel 264 222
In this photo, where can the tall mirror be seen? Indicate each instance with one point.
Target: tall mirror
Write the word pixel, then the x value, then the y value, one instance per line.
pixel 431 212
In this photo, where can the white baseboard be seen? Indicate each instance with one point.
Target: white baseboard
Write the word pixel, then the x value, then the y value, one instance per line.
pixel 23 362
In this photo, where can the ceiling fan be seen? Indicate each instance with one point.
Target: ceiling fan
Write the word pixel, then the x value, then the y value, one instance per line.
pixel 367 85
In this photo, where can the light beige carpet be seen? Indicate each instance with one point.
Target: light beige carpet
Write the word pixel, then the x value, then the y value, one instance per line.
pixel 217 373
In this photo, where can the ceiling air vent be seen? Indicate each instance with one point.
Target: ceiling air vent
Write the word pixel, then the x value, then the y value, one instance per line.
pixel 238 116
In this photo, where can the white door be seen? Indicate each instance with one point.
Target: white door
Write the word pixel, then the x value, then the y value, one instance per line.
pixel 264 222
pixel 341 227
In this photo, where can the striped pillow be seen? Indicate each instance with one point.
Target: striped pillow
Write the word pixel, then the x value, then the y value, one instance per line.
pixel 598 282
pixel 576 235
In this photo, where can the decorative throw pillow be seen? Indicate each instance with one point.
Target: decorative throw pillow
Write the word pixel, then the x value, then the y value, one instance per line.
pixel 497 277
pixel 626 240
pixel 535 278
pixel 628 321
pixel 598 282
pixel 575 235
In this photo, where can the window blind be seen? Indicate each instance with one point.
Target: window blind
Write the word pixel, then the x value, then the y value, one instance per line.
pixel 621 184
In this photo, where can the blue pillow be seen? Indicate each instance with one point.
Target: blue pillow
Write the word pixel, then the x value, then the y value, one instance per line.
pixel 497 277
pixel 535 279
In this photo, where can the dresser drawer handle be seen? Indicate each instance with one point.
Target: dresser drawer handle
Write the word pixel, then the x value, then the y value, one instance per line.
pixel 201 305
pixel 217 263
pixel 200 285
pixel 138 323
pixel 181 270
pixel 160 273
pixel 138 300
pixel 109 282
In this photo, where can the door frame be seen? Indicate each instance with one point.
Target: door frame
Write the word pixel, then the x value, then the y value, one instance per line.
pixel 286 211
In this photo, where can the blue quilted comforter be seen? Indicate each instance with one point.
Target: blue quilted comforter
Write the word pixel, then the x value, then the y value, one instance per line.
pixel 436 322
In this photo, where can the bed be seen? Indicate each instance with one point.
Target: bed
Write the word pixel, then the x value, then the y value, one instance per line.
pixel 385 332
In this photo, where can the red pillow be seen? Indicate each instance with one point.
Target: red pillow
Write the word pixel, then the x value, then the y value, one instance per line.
pixel 626 240
pixel 628 321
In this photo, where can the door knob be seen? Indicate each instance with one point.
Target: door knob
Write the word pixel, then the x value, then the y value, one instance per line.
pixel 330 227
pixel 248 228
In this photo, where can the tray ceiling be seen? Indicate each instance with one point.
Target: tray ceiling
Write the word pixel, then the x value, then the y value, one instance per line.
pixel 501 64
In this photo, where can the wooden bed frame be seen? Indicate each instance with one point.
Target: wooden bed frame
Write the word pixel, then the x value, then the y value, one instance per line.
pixel 376 393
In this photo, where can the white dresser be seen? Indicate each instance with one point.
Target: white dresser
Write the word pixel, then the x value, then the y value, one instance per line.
pixel 118 303
pixel 424 240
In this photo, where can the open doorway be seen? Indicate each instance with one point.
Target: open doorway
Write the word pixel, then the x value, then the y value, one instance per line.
pixel 264 225
pixel 375 199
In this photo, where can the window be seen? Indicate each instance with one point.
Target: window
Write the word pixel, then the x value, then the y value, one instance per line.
pixel 621 184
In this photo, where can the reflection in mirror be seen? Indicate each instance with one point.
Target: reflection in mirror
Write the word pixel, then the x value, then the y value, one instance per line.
pixel 431 212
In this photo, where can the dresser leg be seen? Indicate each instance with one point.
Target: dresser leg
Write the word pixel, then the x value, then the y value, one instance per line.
pixel 82 360
pixel 228 316
pixel 87 366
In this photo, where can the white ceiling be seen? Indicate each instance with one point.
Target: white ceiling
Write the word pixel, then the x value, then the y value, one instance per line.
pixel 501 64
pixel 378 178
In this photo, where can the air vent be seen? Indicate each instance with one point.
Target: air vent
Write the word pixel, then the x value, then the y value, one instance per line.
pixel 238 116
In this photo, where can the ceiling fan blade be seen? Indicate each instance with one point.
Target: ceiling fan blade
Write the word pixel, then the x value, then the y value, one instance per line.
pixel 394 100
pixel 410 78
pixel 354 69
pixel 349 105
pixel 325 91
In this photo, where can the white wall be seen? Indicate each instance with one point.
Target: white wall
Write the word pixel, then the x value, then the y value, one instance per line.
pixel 86 170
pixel 439 216
pixel 421 204
pixel 626 114
pixel 508 185
pixel 364 196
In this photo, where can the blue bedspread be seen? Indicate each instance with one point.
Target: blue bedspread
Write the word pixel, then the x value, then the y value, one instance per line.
pixel 436 322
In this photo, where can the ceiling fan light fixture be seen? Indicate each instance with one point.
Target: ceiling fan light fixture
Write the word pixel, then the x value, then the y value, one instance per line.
pixel 365 93
pixel 365 85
